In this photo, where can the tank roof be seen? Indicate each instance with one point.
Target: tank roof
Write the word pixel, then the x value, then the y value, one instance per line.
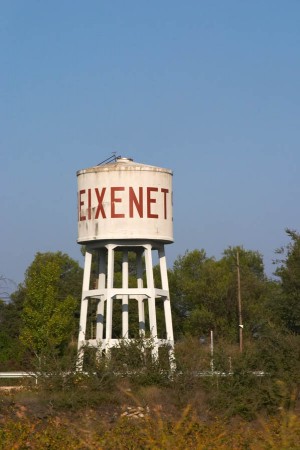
pixel 123 163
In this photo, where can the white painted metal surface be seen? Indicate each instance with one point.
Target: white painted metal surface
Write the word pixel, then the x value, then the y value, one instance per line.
pixel 19 374
pixel 125 200
pixel 124 207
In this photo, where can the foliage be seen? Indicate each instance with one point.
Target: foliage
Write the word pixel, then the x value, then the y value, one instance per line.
pixel 60 381
pixel 12 355
pixel 48 315
pixel 261 379
pixel 61 386
pixel 133 359
pixel 287 306
pixel 10 310
pixel 151 432
pixel 32 434
pixel 214 408
pixel 204 292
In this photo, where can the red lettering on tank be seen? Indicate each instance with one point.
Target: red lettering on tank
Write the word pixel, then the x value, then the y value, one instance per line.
pixel 165 192
pixel 80 204
pixel 134 202
pixel 89 204
pixel 151 200
pixel 137 202
pixel 115 200
pixel 100 201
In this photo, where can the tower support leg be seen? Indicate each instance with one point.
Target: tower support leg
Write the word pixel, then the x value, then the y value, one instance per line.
pixel 151 299
pixel 167 305
pixel 109 296
pixel 140 299
pixel 125 298
pixel 84 306
pixel 102 299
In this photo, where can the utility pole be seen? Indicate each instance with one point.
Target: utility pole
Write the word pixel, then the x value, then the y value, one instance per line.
pixel 212 351
pixel 239 298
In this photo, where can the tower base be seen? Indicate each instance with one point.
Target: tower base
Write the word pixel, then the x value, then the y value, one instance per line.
pixel 109 293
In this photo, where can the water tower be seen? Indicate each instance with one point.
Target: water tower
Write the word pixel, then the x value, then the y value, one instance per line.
pixel 124 218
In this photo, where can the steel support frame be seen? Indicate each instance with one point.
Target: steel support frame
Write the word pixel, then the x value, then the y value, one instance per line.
pixel 105 293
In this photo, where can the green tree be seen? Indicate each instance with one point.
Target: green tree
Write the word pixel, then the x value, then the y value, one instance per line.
pixel 287 305
pixel 256 289
pixel 9 345
pixel 51 302
pixel 204 292
pixel 12 355
pixel 199 286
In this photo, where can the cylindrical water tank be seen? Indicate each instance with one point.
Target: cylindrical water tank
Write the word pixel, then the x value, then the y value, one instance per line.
pixel 125 200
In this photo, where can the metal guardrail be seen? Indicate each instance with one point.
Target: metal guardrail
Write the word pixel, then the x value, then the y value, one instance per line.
pixel 19 375
pixel 208 373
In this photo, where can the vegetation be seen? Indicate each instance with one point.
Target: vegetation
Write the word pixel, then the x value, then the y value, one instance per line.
pixel 204 404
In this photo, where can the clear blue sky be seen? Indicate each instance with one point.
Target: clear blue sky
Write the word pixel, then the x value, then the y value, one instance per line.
pixel 210 89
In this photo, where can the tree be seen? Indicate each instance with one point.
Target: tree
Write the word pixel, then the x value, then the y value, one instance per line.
pixel 11 353
pixel 51 300
pixel 199 288
pixel 204 292
pixel 287 305
pixel 255 287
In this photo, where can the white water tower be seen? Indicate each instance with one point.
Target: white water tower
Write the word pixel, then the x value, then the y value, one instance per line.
pixel 124 208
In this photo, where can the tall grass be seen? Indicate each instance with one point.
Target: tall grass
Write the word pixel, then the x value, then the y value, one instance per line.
pixel 231 407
